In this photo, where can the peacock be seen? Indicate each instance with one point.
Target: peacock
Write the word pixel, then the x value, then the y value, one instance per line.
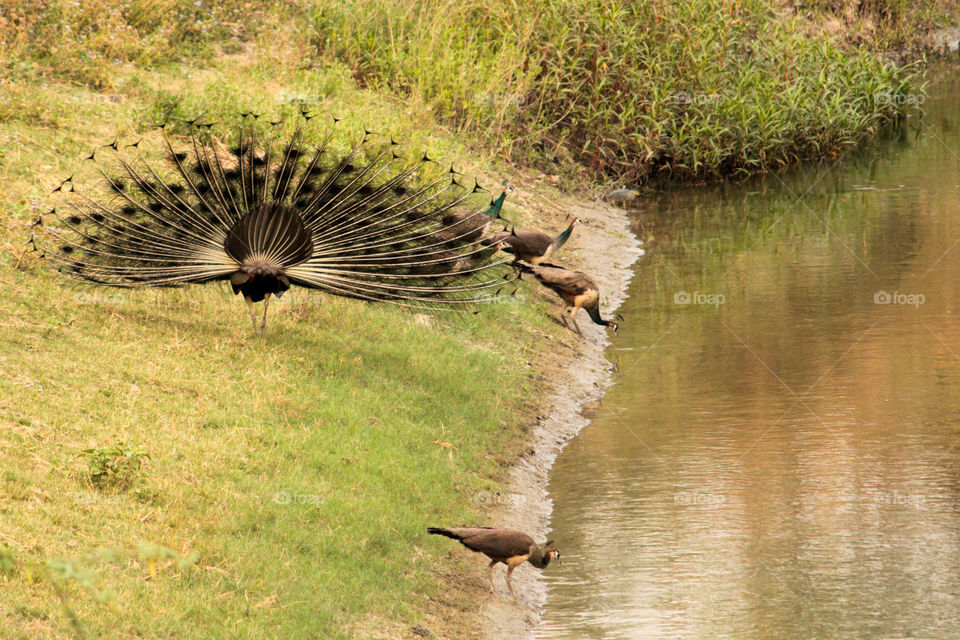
pixel 269 212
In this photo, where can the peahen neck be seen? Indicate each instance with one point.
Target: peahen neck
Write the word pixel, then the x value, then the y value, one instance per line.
pixel 561 239
pixel 595 316
pixel 538 558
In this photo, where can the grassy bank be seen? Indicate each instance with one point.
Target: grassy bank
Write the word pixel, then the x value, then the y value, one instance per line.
pixel 173 475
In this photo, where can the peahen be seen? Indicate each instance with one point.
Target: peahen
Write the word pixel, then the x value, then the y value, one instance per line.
pixel 532 246
pixel 365 224
pixel 576 289
pixel 509 546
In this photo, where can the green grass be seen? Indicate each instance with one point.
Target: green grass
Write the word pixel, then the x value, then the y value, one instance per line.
pixel 173 474
pixel 633 89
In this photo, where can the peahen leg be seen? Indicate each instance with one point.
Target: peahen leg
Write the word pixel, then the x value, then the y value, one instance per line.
pixel 563 316
pixel 510 569
pixel 490 567
pixel 573 319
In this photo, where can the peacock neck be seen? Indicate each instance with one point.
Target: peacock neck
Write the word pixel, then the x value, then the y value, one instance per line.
pixel 494 211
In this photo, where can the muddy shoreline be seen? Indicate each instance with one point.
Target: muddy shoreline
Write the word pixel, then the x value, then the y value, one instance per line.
pixel 604 247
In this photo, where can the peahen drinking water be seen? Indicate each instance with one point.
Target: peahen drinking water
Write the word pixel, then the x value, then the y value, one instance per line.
pixel 266 216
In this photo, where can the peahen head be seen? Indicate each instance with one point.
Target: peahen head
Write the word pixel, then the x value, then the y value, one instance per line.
pixel 552 554
pixel 547 552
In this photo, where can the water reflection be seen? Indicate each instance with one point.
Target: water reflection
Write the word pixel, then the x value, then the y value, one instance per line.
pixel 780 460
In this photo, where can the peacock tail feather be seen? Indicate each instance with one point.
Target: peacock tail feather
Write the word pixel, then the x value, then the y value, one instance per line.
pixel 366 224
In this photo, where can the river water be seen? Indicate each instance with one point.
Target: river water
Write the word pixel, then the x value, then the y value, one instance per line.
pixel 780 455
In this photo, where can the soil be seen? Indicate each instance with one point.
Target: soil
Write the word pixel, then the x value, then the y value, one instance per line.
pixel 572 373
pixel 576 376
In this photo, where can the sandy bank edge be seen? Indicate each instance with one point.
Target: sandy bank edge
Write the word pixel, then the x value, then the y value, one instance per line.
pixel 604 247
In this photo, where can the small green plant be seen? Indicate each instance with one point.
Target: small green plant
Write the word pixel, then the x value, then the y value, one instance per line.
pixel 8 563
pixel 115 467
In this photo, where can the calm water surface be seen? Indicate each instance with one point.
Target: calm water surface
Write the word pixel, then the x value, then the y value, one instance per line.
pixel 780 456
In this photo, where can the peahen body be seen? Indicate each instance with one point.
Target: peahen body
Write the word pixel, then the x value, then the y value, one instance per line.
pixel 576 289
pixel 472 225
pixel 365 224
pixel 533 246
pixel 509 546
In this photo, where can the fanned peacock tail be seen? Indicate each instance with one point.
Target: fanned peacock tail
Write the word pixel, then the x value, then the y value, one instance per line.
pixel 366 224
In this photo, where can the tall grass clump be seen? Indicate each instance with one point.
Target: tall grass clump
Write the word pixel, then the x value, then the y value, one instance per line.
pixel 633 89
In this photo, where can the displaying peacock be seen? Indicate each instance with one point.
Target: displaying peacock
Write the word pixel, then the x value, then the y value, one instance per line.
pixel 267 214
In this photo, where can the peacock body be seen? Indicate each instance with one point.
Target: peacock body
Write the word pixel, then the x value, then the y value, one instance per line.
pixel 267 215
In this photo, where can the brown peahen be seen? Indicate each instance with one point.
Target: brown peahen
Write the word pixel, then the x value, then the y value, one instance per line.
pixel 266 216
pixel 533 246
pixel 509 546
pixel 576 289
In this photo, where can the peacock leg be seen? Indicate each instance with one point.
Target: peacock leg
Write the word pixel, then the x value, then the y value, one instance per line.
pixel 253 314
pixel 266 303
